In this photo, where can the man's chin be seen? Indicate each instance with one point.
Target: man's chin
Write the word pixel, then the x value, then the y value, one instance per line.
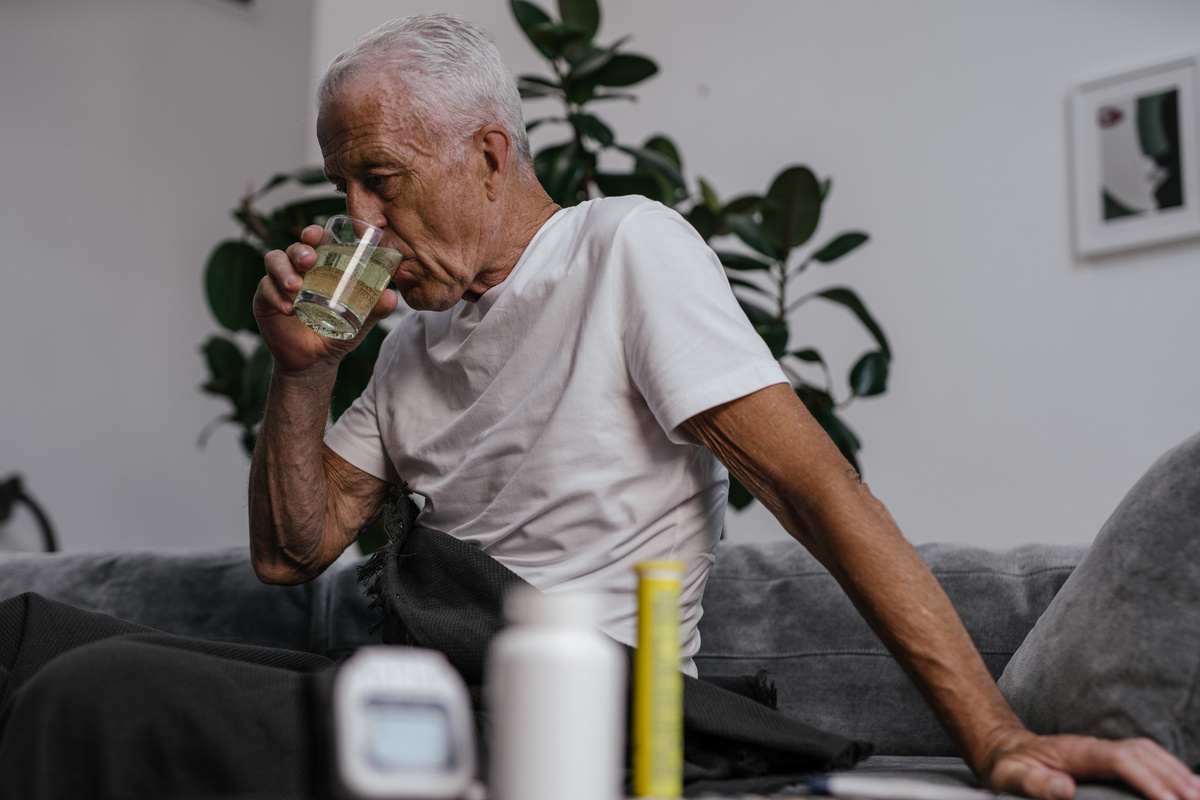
pixel 419 302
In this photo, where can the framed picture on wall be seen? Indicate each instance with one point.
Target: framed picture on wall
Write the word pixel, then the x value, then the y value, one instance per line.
pixel 1135 159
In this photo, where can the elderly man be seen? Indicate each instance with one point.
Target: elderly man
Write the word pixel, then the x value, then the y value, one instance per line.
pixel 564 390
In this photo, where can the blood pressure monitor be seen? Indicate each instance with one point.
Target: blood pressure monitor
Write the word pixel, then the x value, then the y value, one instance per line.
pixel 402 726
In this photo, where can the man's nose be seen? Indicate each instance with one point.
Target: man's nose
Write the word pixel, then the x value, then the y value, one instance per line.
pixel 365 205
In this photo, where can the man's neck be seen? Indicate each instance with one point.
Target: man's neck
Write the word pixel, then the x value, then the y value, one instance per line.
pixel 527 208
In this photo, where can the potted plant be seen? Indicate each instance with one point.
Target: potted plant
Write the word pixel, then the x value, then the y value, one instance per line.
pixel 776 226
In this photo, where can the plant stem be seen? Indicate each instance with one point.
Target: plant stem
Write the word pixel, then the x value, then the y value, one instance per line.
pixel 799 268
pixel 781 280
pixel 801 301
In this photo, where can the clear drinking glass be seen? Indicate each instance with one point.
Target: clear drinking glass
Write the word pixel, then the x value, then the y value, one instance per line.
pixel 355 261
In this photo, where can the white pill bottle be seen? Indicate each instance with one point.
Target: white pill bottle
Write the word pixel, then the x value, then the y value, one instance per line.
pixel 555 691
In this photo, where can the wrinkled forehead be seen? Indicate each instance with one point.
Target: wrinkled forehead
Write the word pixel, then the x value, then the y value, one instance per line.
pixel 366 100
pixel 372 118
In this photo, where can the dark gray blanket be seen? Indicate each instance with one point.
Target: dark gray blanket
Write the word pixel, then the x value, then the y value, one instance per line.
pixel 438 592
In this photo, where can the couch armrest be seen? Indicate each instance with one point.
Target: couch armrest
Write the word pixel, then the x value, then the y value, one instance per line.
pixel 209 594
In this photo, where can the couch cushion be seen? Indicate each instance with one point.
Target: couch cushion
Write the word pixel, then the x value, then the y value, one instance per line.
pixel 209 594
pixel 773 607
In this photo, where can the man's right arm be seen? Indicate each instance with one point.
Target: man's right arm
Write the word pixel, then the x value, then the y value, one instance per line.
pixel 307 504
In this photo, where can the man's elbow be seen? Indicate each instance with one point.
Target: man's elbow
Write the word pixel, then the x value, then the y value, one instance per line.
pixel 278 570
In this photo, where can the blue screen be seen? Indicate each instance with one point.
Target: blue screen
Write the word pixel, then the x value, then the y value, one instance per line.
pixel 408 736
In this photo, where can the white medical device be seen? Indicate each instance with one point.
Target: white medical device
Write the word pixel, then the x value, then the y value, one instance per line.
pixel 402 725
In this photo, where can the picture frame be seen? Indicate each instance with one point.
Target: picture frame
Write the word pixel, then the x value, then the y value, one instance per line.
pixel 1136 157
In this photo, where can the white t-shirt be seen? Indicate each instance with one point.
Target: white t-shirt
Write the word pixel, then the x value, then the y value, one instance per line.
pixel 542 421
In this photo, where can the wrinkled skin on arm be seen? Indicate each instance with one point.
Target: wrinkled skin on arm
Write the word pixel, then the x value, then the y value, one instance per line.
pixel 770 443
pixel 307 504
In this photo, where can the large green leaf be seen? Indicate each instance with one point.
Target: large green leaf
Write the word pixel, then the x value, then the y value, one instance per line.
pixel 613 184
pixel 773 330
pixel 585 14
pixel 585 61
pixel 656 163
pixel 749 286
pixel 254 387
pixel 840 246
pixel 869 375
pixel 591 126
pixel 846 297
pixel 529 17
pixel 225 367
pixel 739 261
pixel 743 205
pixel 664 146
pixel 313 209
pixel 752 233
pixel 552 38
pixel 579 90
pixel 561 169
pixel 670 192
pixel 703 220
pixel 625 69
pixel 614 96
pixel 792 207
pixel 305 176
pixel 808 354
pixel 709 196
pixel 230 281
pixel 821 406
pixel 739 495
pixel 355 371
pixel 533 87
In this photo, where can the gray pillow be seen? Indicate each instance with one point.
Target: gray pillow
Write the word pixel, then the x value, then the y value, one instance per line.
pixel 1117 652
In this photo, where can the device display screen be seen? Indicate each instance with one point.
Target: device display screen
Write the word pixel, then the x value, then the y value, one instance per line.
pixel 403 735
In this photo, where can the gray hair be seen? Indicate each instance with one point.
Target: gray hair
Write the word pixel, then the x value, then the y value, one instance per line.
pixel 458 80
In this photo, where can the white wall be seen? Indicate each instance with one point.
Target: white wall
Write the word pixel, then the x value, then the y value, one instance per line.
pixel 1030 388
pixel 129 128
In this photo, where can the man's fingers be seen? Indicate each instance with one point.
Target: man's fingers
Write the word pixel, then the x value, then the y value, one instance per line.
pixel 272 298
pixel 312 235
pixel 1141 763
pixel 1152 770
pixel 384 306
pixel 1042 768
pixel 302 257
pixel 1031 778
pixel 282 281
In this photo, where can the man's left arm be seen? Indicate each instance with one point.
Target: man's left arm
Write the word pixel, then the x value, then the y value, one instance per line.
pixel 770 443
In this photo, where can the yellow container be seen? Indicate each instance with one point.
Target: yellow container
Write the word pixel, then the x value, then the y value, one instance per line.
pixel 658 683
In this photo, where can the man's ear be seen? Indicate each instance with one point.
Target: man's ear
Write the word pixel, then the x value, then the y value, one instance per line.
pixel 495 145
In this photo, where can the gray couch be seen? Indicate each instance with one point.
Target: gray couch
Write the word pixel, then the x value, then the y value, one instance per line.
pixel 767 606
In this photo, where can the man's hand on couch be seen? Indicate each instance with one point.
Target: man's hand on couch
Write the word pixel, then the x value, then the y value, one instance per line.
pixel 1043 766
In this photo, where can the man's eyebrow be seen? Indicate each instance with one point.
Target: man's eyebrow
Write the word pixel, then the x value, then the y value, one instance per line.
pixel 368 162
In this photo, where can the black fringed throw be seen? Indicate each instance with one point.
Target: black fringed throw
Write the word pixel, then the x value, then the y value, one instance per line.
pixel 438 592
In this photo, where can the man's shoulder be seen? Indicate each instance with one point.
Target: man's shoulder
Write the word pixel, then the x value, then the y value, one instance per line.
pixel 604 227
pixel 605 215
